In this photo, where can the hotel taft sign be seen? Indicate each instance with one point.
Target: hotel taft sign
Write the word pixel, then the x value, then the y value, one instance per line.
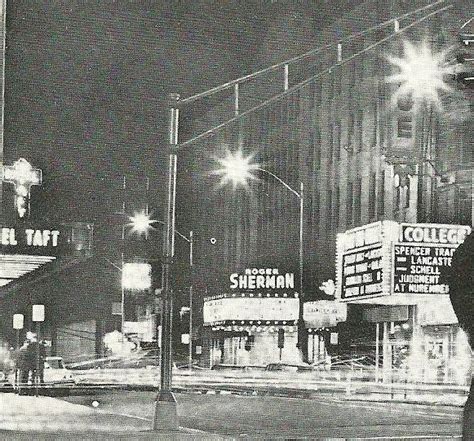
pixel 33 239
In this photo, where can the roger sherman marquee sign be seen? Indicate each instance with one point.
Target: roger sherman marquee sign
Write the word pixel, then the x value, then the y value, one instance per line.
pixel 387 258
pixel 262 278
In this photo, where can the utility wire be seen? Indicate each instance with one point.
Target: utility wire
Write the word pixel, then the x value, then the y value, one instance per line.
pixel 306 54
pixel 300 85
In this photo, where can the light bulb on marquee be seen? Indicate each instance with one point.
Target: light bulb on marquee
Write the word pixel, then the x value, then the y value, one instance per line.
pixel 421 74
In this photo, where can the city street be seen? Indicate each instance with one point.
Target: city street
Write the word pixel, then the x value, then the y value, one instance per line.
pixel 240 416
pixel 263 209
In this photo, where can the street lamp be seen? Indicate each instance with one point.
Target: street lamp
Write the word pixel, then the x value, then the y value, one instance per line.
pixel 421 74
pixel 141 223
pixel 238 170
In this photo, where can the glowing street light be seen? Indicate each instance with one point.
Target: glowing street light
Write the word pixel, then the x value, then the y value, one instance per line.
pixel 421 74
pixel 238 169
pixel 141 223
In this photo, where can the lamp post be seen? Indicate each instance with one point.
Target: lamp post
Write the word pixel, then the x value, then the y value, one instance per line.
pixel 38 317
pixel 237 169
pixel 141 223
pixel 166 416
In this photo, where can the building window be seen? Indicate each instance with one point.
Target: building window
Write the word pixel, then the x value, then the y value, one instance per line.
pixel 375 110
pixel 337 80
pixel 317 148
pixel 310 155
pixel 359 129
pixel 353 73
pixel 349 197
pixel 381 195
pixel 331 85
pixel 372 195
pixel 398 197
pixel 315 214
pixel 337 140
pixel 361 62
pixel 350 132
pixel 312 95
pixel 357 201
pixel 317 92
pixel 407 193
pixel 331 141
pixel 329 211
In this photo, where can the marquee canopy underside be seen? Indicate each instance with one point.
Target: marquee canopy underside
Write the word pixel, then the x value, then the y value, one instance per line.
pixel 14 266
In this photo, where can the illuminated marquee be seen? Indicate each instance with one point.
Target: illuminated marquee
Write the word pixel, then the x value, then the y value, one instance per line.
pixel 362 272
pixel 422 254
pixel 324 313
pixel 388 258
pixel 251 309
pixel 262 278
pixel 361 262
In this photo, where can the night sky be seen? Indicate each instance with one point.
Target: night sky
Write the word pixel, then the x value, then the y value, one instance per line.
pixel 86 82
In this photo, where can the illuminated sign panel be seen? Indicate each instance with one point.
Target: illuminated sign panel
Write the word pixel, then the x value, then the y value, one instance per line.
pixel 324 313
pixel 29 237
pixel 388 258
pixel 362 272
pixel 244 309
pixel 27 248
pixel 421 256
pixel 360 263
pixel 262 278
pixel 136 275
pixel 22 175
pixel 434 234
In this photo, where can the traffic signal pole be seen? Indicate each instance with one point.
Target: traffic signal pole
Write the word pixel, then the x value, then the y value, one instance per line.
pixel 166 416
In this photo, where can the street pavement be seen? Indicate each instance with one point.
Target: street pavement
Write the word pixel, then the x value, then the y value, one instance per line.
pixel 121 414
pixel 296 384
pixel 46 418
pixel 326 417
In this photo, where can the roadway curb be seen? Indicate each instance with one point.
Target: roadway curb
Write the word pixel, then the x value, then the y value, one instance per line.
pixel 259 391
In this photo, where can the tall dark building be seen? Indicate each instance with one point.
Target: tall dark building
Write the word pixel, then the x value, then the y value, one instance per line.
pixel 334 121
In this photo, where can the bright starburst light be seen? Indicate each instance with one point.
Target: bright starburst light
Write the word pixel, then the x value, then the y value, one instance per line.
pixel 141 222
pixel 236 169
pixel 421 74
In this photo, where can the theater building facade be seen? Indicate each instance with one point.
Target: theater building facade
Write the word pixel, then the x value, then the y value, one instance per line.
pixel 393 273
pixel 254 322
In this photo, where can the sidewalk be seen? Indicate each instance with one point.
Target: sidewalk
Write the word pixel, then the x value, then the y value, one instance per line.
pixel 26 417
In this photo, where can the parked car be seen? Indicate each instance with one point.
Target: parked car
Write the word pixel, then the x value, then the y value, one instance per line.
pixel 55 372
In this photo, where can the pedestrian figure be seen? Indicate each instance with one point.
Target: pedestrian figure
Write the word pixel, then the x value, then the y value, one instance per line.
pixel 36 357
pixel 22 366
pixel 460 278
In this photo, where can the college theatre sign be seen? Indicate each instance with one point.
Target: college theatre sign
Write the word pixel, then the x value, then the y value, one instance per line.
pixel 387 258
